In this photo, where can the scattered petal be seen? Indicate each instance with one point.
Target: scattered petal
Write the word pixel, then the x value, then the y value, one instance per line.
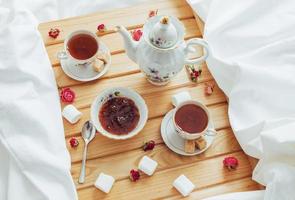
pixel 53 32
pixel 74 142
pixel 136 34
pixel 209 88
pixel 230 162
pixel 134 175
pixel 67 95
pixel 208 91
pixel 153 13
pixel 150 145
pixel 101 28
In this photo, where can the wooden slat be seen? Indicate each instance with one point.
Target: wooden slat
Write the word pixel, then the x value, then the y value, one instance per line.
pixel 241 185
pixel 224 143
pixel 217 112
pixel 102 146
pixel 121 66
pixel 115 41
pixel 122 16
pixel 202 174
pixel 200 23
pixel 163 105
pixel 84 97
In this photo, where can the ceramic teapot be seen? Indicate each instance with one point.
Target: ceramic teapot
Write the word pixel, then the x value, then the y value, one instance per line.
pixel 162 52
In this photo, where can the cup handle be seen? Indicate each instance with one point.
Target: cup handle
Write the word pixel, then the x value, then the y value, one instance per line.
pixel 211 132
pixel 200 42
pixel 62 55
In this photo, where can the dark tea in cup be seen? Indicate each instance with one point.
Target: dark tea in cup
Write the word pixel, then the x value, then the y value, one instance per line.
pixel 191 118
pixel 82 46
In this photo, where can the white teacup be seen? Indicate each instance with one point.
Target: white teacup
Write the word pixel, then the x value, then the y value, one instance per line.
pixel 65 54
pixel 183 133
pixel 184 98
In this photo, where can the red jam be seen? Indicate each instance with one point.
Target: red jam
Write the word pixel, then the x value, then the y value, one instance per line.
pixel 119 115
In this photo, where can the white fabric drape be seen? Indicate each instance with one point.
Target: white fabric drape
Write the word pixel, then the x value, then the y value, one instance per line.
pixel 253 62
pixel 34 160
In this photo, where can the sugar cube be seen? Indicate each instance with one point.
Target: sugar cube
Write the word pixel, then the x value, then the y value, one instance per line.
pixel 104 182
pixel 183 185
pixel 201 143
pixel 71 113
pixel 147 165
pixel 180 97
pixel 189 146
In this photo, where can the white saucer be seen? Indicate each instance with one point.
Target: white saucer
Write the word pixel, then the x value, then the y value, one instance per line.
pixel 85 73
pixel 175 142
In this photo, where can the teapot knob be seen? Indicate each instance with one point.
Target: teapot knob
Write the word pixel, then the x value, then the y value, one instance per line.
pixel 165 20
pixel 163 34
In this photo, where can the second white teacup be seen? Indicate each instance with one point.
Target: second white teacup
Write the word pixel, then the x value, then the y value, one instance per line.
pixel 191 119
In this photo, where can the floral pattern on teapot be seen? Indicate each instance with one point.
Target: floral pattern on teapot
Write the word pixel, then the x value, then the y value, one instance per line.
pixel 155 77
pixel 162 43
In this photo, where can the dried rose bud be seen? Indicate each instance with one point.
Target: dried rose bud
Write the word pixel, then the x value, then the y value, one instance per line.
pixel 101 28
pixel 230 162
pixel 134 175
pixel 194 74
pixel 209 88
pixel 67 95
pixel 74 142
pixel 153 13
pixel 150 145
pixel 136 34
pixel 53 32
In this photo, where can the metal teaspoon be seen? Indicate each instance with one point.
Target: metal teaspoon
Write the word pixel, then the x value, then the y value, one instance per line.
pixel 88 133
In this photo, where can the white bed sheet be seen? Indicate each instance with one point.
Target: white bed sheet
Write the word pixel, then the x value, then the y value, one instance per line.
pixel 253 61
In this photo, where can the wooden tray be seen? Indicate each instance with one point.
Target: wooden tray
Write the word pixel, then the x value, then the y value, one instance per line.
pixel 119 157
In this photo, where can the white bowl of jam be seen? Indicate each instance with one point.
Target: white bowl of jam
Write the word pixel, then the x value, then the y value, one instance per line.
pixel 119 113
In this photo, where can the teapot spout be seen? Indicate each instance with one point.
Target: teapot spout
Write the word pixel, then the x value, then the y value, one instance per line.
pixel 129 43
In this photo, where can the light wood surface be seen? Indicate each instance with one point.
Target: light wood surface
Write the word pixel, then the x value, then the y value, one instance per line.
pixel 117 158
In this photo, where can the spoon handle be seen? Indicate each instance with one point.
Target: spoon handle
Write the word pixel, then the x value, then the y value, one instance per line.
pixel 82 173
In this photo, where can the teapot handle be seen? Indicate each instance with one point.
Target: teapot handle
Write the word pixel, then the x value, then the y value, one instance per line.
pixel 197 41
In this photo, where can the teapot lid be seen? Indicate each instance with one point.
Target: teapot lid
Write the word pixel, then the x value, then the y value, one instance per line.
pixel 163 32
